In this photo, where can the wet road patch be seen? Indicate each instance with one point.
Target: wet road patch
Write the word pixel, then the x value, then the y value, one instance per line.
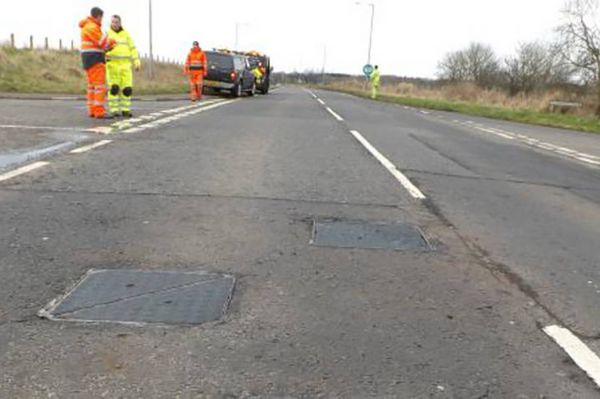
pixel 125 296
pixel 368 235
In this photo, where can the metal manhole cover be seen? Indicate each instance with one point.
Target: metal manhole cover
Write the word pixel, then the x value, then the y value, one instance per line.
pixel 368 235
pixel 126 296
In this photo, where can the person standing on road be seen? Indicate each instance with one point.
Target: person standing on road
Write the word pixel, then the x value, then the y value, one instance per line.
pixel 196 68
pixel 120 61
pixel 94 45
pixel 375 79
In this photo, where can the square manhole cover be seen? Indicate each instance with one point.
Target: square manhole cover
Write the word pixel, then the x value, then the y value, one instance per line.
pixel 368 235
pixel 126 296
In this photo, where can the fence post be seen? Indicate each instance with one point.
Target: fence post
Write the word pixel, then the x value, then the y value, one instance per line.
pixel 12 40
pixel 46 46
pixel 72 45
pixel 31 42
pixel 60 44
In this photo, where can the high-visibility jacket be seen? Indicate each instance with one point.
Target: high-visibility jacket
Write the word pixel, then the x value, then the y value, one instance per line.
pixel 196 61
pixel 375 77
pixel 94 43
pixel 124 47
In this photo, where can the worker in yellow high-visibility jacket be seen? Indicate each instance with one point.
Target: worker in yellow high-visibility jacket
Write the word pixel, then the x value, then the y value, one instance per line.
pixel 120 61
pixel 375 80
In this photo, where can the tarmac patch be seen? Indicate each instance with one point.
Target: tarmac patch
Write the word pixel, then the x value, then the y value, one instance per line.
pixel 140 297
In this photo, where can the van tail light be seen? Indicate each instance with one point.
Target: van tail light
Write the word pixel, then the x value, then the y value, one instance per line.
pixel 233 75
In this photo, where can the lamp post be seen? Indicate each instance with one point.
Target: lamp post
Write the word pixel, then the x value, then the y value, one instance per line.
pixel 372 5
pixel 151 61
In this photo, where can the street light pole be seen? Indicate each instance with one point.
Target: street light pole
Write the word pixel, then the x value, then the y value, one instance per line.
pixel 372 5
pixel 151 61
pixel 371 34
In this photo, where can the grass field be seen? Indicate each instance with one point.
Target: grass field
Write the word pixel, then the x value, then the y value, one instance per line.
pixel 525 110
pixel 54 71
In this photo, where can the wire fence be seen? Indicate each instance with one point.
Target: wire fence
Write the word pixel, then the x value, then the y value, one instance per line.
pixel 45 43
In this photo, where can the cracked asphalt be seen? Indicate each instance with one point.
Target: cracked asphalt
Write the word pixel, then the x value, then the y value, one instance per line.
pixel 236 190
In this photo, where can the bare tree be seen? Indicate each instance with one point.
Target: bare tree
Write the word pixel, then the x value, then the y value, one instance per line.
pixel 535 67
pixel 580 40
pixel 477 63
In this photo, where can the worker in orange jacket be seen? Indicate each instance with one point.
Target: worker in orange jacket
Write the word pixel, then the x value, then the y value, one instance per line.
pixel 196 68
pixel 94 45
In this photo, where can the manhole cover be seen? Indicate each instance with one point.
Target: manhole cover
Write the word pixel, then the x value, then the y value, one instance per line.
pixel 126 296
pixel 358 234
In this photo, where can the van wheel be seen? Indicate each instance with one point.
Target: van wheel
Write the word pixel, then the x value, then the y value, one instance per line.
pixel 252 91
pixel 237 90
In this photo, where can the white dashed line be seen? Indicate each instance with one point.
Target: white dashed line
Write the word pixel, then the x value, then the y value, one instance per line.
pixel 22 170
pixel 90 147
pixel 587 360
pixel 321 101
pixel 336 116
pixel 405 181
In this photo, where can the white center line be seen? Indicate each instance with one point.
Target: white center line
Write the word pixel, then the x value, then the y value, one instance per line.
pixel 405 181
pixel 321 101
pixel 336 116
pixel 90 147
pixel 587 360
pixel 22 170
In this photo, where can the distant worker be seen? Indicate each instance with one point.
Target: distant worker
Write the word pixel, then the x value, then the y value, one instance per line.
pixel 258 73
pixel 120 61
pixel 196 68
pixel 94 44
pixel 375 79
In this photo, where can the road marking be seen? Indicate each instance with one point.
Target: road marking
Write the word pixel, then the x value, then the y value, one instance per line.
pixel 405 181
pixel 321 101
pixel 90 147
pixel 503 135
pixel 22 170
pixel 587 360
pixel 424 112
pixel 28 127
pixel 175 117
pixel 336 116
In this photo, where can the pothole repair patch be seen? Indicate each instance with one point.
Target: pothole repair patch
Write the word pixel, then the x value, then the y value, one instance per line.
pixel 368 235
pixel 126 296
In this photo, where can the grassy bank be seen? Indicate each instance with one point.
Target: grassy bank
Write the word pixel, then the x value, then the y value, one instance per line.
pixel 53 71
pixel 579 122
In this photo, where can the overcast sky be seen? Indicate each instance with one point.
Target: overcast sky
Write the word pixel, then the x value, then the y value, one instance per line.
pixel 410 36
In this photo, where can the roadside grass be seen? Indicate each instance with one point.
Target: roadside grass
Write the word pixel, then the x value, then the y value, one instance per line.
pixel 565 121
pixel 60 72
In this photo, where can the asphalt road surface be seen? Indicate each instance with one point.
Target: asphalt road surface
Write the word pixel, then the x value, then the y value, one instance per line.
pixel 503 304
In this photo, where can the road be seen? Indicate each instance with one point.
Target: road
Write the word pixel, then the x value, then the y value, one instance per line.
pixel 510 212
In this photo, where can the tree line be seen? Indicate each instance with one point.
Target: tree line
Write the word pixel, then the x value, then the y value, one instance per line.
pixel 573 58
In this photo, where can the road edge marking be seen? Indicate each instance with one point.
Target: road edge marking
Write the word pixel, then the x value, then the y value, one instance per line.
pixel 22 170
pixel 90 147
pixel 405 181
pixel 578 351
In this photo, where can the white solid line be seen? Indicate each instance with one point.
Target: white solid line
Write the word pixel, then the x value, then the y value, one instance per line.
pixel 22 170
pixel 163 121
pixel 90 147
pixel 336 116
pixel 405 181
pixel 587 360
pixel 28 127
pixel 321 101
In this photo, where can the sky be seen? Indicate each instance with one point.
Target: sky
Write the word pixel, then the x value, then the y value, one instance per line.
pixel 409 39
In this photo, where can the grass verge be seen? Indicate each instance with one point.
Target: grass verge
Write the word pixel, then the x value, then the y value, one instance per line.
pixel 563 121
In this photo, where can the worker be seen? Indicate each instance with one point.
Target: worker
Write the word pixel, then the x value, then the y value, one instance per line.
pixel 120 61
pixel 196 69
pixel 258 73
pixel 94 45
pixel 375 79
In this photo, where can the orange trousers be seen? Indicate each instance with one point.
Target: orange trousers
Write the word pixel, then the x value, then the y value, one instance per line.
pixel 96 90
pixel 196 84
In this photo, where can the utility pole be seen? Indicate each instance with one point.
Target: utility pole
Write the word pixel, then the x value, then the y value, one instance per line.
pixel 151 61
pixel 324 63
pixel 371 34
